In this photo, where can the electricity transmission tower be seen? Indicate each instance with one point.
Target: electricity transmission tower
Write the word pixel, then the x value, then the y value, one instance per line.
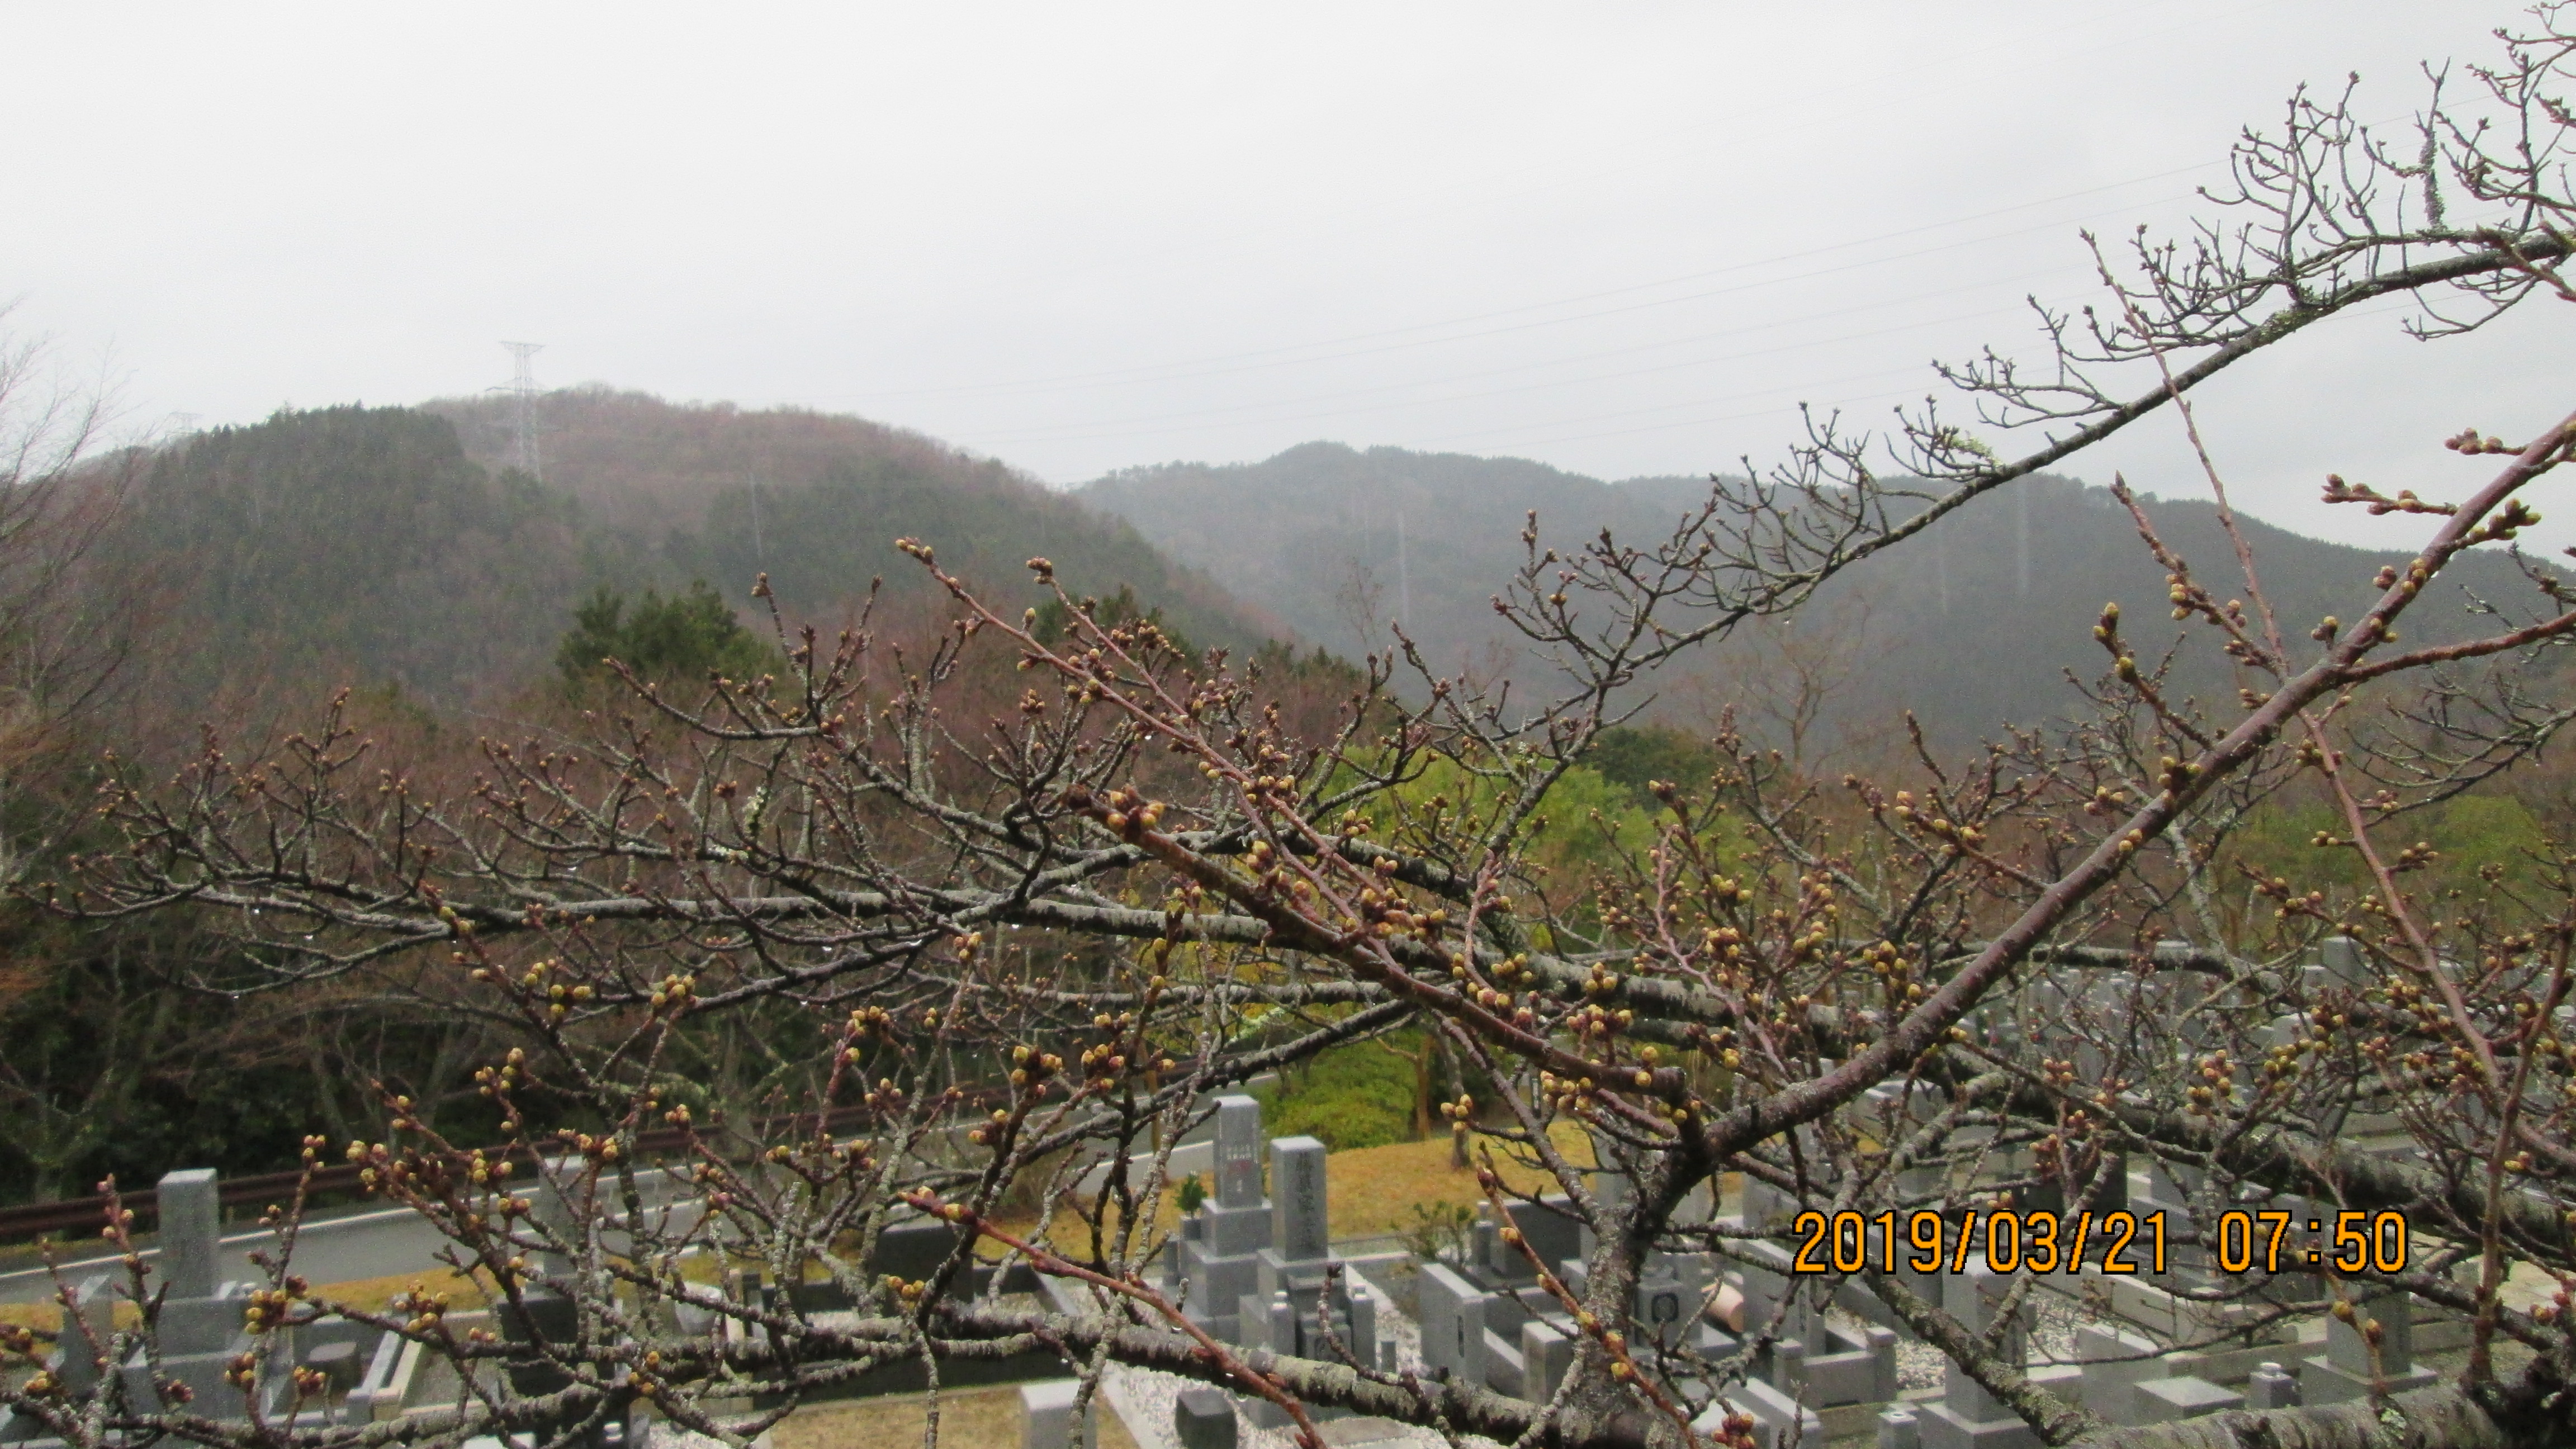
pixel 523 390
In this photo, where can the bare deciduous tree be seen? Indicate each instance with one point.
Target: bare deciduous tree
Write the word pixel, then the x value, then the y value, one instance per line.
pixel 1031 935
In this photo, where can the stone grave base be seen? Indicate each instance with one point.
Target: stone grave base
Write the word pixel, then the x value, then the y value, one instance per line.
pixel 1943 1428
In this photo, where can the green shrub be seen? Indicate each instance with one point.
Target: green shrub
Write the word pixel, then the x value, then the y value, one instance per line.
pixel 1359 1095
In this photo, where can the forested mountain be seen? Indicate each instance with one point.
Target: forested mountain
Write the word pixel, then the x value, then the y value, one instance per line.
pixel 816 500
pixel 1971 626
pixel 392 545
pixel 345 543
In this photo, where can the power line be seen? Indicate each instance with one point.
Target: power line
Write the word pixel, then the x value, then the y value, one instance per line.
pixel 1269 357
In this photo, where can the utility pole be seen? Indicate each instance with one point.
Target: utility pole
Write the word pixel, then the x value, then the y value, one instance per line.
pixel 523 389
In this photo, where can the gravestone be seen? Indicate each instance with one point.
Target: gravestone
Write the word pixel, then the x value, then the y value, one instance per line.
pixel 1238 1152
pixel 194 1316
pixel 1779 1422
pixel 1967 1417
pixel 1218 1254
pixel 1299 1231
pixel 1775 1299
pixel 1552 1232
pixel 2347 1372
pixel 200 1319
pixel 1453 1323
pixel 337 1363
pixel 1296 1288
pixel 2163 1401
pixel 93 1307
pixel 1669 1285
pixel 2343 965
pixel 1547 1355
pixel 2271 1387
pixel 1301 1251
pixel 1203 1418
pixel 1046 1415
pixel 1832 1368
pixel 1849 1371
pixel 2115 1361
pixel 1898 1429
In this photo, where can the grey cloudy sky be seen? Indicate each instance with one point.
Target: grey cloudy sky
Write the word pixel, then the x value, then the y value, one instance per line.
pixel 1623 239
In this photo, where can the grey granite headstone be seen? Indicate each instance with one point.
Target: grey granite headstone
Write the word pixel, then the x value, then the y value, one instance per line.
pixel 195 1316
pixel 2115 1362
pixel 1362 1311
pixel 1779 1422
pixel 1046 1414
pixel 337 1362
pixel 1967 1417
pixel 93 1306
pixel 2346 1372
pixel 1551 1232
pixel 192 1226
pixel 1547 1355
pixel 1238 1152
pixel 2347 1348
pixel 1453 1322
pixel 1203 1418
pixel 1300 1230
pixel 1217 1255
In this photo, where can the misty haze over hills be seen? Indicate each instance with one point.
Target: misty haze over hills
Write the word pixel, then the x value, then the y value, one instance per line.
pixel 1970 626
pixel 397 545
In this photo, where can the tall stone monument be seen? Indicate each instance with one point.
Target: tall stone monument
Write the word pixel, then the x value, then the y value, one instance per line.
pixel 200 1320
pixel 1967 1417
pixel 1300 1252
pixel 1216 1257
pixel 1297 1294
pixel 2349 1369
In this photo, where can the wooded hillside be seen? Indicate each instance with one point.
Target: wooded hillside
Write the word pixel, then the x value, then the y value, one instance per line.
pixel 1974 629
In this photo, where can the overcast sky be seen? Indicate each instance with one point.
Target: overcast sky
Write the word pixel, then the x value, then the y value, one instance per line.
pixel 1624 239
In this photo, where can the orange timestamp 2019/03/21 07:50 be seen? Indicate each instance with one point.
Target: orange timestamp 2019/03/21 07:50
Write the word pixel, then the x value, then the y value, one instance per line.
pixel 2005 1241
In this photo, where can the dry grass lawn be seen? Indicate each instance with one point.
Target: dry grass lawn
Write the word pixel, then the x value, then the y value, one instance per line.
pixel 1371 1191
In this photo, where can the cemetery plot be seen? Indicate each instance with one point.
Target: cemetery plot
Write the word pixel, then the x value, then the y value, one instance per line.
pixel 1808 1355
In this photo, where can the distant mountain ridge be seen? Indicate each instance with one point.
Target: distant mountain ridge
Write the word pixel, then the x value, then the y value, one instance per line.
pixel 394 545
pixel 674 491
pixel 1970 626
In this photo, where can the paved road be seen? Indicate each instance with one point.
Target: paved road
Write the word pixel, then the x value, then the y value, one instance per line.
pixel 370 1244
pixel 381 1242
pixel 353 1244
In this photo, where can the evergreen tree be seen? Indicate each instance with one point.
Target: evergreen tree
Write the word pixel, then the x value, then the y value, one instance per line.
pixel 685 636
